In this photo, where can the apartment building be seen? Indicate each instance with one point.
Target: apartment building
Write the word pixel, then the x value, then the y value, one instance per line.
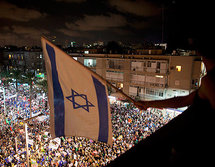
pixel 24 60
pixel 148 77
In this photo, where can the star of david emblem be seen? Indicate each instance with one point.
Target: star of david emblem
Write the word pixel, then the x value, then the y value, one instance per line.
pixel 82 101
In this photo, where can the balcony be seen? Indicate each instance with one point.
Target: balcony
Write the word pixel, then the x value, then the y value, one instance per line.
pixel 115 76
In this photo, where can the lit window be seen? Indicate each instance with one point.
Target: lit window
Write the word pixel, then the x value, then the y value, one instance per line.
pixel 158 76
pixel 90 62
pixel 178 68
pixel 120 85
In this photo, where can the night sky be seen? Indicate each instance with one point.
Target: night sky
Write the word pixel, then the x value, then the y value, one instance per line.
pixel 22 22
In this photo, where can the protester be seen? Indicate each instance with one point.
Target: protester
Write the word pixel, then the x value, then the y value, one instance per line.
pixel 129 127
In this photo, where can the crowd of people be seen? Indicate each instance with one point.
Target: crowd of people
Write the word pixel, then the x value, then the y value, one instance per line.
pixel 128 123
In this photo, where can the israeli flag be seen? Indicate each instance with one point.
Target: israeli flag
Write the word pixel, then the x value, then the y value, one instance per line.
pixel 77 97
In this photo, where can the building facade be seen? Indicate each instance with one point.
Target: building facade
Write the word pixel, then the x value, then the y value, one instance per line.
pixel 148 77
pixel 24 60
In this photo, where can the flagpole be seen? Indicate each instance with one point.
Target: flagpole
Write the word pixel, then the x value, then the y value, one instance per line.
pixel 26 139
pixel 26 135
pixel 16 144
pixel 4 100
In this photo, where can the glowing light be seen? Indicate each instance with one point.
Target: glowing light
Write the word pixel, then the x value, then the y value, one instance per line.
pixel 158 76
pixel 178 68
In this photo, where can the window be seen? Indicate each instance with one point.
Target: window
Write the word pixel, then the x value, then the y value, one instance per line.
pixel 148 64
pixel 90 62
pixel 178 68
pixel 154 92
pixel 114 75
pixel 137 66
pixel 150 91
pixel 161 94
pixel 115 64
pixel 159 76
pixel 119 85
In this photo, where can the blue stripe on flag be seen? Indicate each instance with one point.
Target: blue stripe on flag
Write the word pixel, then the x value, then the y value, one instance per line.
pixel 59 112
pixel 103 110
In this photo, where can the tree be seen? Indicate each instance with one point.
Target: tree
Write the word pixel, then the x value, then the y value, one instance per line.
pixel 5 78
pixel 17 75
pixel 43 85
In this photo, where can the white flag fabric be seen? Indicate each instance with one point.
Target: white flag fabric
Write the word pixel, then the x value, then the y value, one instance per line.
pixel 78 98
